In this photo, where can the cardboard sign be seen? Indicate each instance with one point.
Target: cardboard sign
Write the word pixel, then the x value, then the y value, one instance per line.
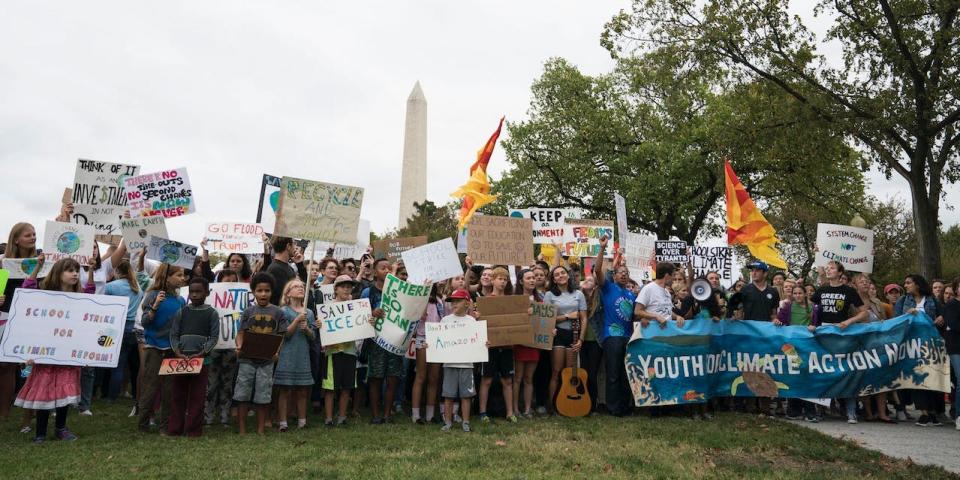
pixel 581 237
pixel 235 237
pixel 719 258
pixel 260 346
pixel 166 193
pixel 543 321
pixel 671 251
pixel 391 249
pixel 547 222
pixel 100 183
pixel 105 219
pixel 171 252
pixel 62 328
pixel 639 252
pixel 496 240
pixel 344 321
pixel 20 268
pixel 181 366
pixel 621 206
pixel 507 320
pixel 137 231
pixel 269 202
pixel 457 342
pixel 318 211
pixel 435 261
pixel 67 240
pixel 851 246
pixel 342 250
pixel 403 304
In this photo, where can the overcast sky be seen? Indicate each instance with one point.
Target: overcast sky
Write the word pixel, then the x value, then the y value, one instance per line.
pixel 232 90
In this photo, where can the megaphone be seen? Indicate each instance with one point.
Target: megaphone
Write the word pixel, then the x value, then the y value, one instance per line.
pixel 701 289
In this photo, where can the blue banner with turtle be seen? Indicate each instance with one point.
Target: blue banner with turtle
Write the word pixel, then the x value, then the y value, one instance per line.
pixel 706 359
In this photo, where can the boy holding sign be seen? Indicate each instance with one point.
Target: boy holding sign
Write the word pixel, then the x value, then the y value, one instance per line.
pixel 457 377
pixel 193 333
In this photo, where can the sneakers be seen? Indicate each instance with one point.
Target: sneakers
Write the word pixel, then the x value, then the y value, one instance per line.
pixel 852 419
pixel 133 412
pixel 512 418
pixel 419 421
pixel 484 418
pixel 283 427
pixel 341 421
pixel 377 421
pixel 66 435
pixel 923 421
pixel 901 415
pixel 793 417
pixel 958 422
pixel 446 427
pixel 466 426
pixel 27 429
pixel 528 415
pixel 935 421
pixel 457 418
pixel 86 413
pixel 39 439
pixel 328 423
pixel 708 416
pixel 696 417
pixel 813 419
pixel 541 411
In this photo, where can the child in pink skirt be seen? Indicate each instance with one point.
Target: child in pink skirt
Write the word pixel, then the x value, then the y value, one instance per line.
pixel 54 387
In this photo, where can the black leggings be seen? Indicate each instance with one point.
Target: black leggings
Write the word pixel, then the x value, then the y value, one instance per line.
pixel 43 418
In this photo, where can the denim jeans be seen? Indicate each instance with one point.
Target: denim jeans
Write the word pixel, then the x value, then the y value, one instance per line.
pixel 88 376
pixel 955 368
pixel 129 361
pixel 619 396
pixel 592 355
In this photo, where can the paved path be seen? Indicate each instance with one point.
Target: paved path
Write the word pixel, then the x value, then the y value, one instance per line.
pixel 926 445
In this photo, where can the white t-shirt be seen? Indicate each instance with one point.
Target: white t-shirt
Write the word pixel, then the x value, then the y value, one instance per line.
pixel 657 300
pixel 456 318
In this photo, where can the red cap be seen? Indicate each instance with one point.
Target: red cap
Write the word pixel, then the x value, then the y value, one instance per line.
pixel 459 294
pixel 892 286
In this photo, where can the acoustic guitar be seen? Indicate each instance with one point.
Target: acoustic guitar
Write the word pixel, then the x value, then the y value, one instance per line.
pixel 573 399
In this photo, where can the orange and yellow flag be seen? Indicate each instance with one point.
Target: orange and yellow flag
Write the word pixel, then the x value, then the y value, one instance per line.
pixel 746 225
pixel 476 192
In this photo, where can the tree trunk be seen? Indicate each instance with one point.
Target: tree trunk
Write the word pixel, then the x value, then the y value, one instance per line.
pixel 925 220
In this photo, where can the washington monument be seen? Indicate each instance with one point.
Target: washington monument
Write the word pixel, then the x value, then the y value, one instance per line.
pixel 413 183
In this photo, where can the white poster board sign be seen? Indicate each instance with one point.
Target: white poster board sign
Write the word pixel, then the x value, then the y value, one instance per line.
pixel 105 219
pixel 235 237
pixel 269 202
pixel 457 342
pixel 851 246
pixel 621 206
pixel 403 304
pixel 342 250
pixel 165 193
pixel 61 328
pixel 68 240
pixel 171 252
pixel 98 183
pixel 137 231
pixel 547 222
pixel 638 254
pixel 436 261
pixel 713 258
pixel 21 268
pixel 344 321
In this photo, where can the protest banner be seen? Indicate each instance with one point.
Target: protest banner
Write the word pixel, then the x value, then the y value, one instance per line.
pixel 344 321
pixel 181 366
pixel 508 322
pixel 235 237
pixel 543 321
pixel 229 299
pixel 172 252
pixel 392 248
pixel 67 240
pixel 63 328
pixel 457 342
pixel 713 258
pixel 137 231
pixel 547 222
pixel 318 211
pixel 703 360
pixel 269 201
pixel 166 193
pixel 581 237
pixel 620 205
pixel 403 304
pixel 851 246
pixel 496 240
pixel 638 253
pixel 342 250
pixel 671 251
pixel 436 261
pixel 105 219
pixel 101 183
pixel 21 268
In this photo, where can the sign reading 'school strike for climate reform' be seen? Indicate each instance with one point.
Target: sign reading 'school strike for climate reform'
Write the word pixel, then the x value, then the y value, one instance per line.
pixel 61 328
pixel 166 193
pixel 851 246
pixel 318 211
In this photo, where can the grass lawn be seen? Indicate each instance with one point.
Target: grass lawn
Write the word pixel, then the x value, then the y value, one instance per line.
pixel 730 446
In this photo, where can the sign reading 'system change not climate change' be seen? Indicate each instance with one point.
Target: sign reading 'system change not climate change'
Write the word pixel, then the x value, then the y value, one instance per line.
pixel 851 246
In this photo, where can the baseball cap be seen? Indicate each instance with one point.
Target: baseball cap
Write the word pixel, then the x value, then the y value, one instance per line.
pixel 892 286
pixel 459 294
pixel 343 279
pixel 758 265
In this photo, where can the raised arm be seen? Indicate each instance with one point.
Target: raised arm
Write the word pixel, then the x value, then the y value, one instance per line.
pixel 598 268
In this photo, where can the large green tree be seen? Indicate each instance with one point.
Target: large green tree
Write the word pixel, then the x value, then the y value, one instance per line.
pixel 896 94
pixel 657 130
